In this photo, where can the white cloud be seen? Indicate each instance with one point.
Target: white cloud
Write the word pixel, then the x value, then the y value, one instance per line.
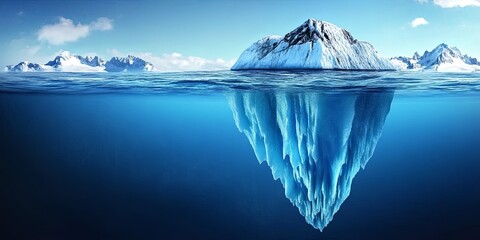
pixel 172 62
pixel 102 24
pixel 20 13
pixel 453 3
pixel 21 49
pixel 456 3
pixel 418 22
pixel 65 30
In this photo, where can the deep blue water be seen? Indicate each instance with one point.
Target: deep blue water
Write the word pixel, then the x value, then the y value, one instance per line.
pixel 105 156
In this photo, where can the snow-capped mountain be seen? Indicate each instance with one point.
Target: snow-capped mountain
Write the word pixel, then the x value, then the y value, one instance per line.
pixel 67 62
pixel 313 45
pixel 130 63
pixel 92 61
pixel 24 67
pixel 441 58
pixel 402 63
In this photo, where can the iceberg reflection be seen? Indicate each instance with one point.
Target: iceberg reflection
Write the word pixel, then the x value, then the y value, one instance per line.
pixel 314 142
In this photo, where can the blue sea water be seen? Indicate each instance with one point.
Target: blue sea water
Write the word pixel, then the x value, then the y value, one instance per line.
pixel 160 156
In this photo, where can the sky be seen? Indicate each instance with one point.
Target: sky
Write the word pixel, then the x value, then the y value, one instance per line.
pixel 211 34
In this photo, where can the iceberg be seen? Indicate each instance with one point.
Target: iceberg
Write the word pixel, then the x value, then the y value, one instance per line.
pixel 313 45
pixel 315 143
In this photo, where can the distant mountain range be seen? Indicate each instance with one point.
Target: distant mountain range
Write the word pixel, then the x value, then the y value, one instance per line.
pixel 67 62
pixel 313 45
pixel 442 58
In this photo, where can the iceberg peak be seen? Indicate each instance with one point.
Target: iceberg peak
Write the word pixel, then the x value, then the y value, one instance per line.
pixel 314 30
pixel 313 45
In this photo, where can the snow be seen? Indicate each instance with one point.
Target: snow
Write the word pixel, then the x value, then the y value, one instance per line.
pixel 25 67
pixel 79 68
pixel 314 143
pixel 399 64
pixel 457 67
pixel 442 58
pixel 313 45
pixel 68 62
pixel 130 63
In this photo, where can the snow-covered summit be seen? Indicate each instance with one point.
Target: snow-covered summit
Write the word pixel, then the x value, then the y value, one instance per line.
pixel 130 63
pixel 64 58
pixel 440 55
pixel 416 56
pixel 313 45
pixel 24 67
pixel 92 61
pixel 68 62
pixel 441 58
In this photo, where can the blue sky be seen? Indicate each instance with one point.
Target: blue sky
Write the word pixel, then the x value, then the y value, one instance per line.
pixel 183 34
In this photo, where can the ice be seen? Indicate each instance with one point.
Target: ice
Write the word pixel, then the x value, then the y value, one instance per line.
pixel 315 143
pixel 313 45
pixel 130 64
pixel 442 58
pixel 25 67
pixel 68 62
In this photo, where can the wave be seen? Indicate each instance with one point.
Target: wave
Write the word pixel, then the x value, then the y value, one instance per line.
pixel 226 81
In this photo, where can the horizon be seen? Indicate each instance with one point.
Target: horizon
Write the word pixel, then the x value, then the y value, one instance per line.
pixel 37 32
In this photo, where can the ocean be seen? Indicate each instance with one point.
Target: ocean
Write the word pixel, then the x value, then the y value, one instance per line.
pixel 195 155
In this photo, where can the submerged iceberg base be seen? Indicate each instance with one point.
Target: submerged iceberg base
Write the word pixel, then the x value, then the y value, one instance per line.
pixel 314 143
